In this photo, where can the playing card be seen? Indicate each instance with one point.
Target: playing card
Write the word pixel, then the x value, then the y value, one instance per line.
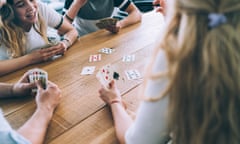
pixel 106 22
pixel 38 75
pixel 88 70
pixel 133 74
pixel 106 74
pixel 107 50
pixel 128 58
pixel 95 58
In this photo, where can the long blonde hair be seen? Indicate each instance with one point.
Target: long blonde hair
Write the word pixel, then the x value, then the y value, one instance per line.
pixel 12 35
pixel 203 72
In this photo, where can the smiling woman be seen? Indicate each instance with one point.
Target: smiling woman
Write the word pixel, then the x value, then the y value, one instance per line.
pixel 23 30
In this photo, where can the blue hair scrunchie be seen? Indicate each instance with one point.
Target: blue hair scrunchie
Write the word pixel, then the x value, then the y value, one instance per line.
pixel 216 19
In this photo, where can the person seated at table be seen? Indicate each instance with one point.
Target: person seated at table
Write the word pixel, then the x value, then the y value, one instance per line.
pixel 191 90
pixel 86 14
pixel 23 30
pixel 34 130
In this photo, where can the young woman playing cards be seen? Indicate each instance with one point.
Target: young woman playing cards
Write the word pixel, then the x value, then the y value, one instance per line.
pixel 23 32
pixel 192 88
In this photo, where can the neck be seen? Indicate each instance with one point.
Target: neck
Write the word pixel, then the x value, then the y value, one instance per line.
pixel 27 27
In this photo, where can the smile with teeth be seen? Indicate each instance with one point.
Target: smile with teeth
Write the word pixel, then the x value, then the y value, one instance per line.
pixel 30 14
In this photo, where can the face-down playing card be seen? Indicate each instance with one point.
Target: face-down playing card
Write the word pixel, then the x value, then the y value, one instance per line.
pixel 106 22
pixel 106 74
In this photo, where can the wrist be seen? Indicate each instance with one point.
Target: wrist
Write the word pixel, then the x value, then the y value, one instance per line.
pixel 11 90
pixel 45 111
pixel 67 43
pixel 68 18
pixel 118 102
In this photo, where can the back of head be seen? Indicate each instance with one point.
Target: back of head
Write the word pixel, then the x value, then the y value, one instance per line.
pixel 204 71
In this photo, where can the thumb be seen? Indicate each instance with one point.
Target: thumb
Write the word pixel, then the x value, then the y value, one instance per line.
pixel 29 85
pixel 112 85
pixel 39 86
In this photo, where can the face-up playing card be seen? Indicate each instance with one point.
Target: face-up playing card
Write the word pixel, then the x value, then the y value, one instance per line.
pixel 106 74
pixel 95 58
pixel 38 75
pixel 133 74
pixel 128 58
pixel 88 70
pixel 106 22
pixel 107 50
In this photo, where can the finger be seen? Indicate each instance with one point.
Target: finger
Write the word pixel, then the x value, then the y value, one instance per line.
pixel 39 86
pixel 24 78
pixel 112 84
pixel 29 86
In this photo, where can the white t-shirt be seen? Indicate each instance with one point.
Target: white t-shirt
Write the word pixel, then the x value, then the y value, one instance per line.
pixel 150 124
pixel 34 40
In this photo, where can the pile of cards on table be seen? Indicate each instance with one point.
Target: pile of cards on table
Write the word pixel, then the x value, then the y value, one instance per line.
pixel 38 75
pixel 106 22
pixel 106 74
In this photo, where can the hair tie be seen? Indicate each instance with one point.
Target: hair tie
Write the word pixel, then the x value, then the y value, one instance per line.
pixel 216 19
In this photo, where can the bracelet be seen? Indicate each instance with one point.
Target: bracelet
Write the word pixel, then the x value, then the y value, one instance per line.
pixel 67 42
pixel 120 102
pixel 69 18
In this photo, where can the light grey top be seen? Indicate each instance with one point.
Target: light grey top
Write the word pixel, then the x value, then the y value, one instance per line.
pixel 149 126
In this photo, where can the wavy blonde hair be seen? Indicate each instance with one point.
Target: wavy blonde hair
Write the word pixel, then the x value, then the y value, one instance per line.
pixel 203 72
pixel 12 35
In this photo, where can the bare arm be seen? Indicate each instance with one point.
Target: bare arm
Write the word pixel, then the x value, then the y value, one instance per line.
pixel 37 56
pixel 20 88
pixel 69 32
pixel 122 120
pixel 5 90
pixel 134 16
pixel 35 128
pixel 73 9
pixel 11 65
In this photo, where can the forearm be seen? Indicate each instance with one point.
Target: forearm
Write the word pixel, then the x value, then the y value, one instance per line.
pixel 134 16
pixel 35 128
pixel 74 8
pixel 71 36
pixel 6 90
pixel 122 121
pixel 11 65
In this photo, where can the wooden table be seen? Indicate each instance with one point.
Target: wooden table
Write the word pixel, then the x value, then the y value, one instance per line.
pixel 82 117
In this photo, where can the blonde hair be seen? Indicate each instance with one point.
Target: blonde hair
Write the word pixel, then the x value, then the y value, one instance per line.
pixel 12 35
pixel 203 72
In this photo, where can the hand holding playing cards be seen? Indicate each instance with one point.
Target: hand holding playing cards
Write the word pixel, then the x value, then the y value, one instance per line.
pixel 110 94
pixel 48 99
pixel 114 28
pixel 23 87
pixel 46 54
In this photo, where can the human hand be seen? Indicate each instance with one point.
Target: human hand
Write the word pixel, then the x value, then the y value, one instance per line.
pixel 110 94
pixel 49 98
pixel 46 54
pixel 162 8
pixel 114 28
pixel 23 87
